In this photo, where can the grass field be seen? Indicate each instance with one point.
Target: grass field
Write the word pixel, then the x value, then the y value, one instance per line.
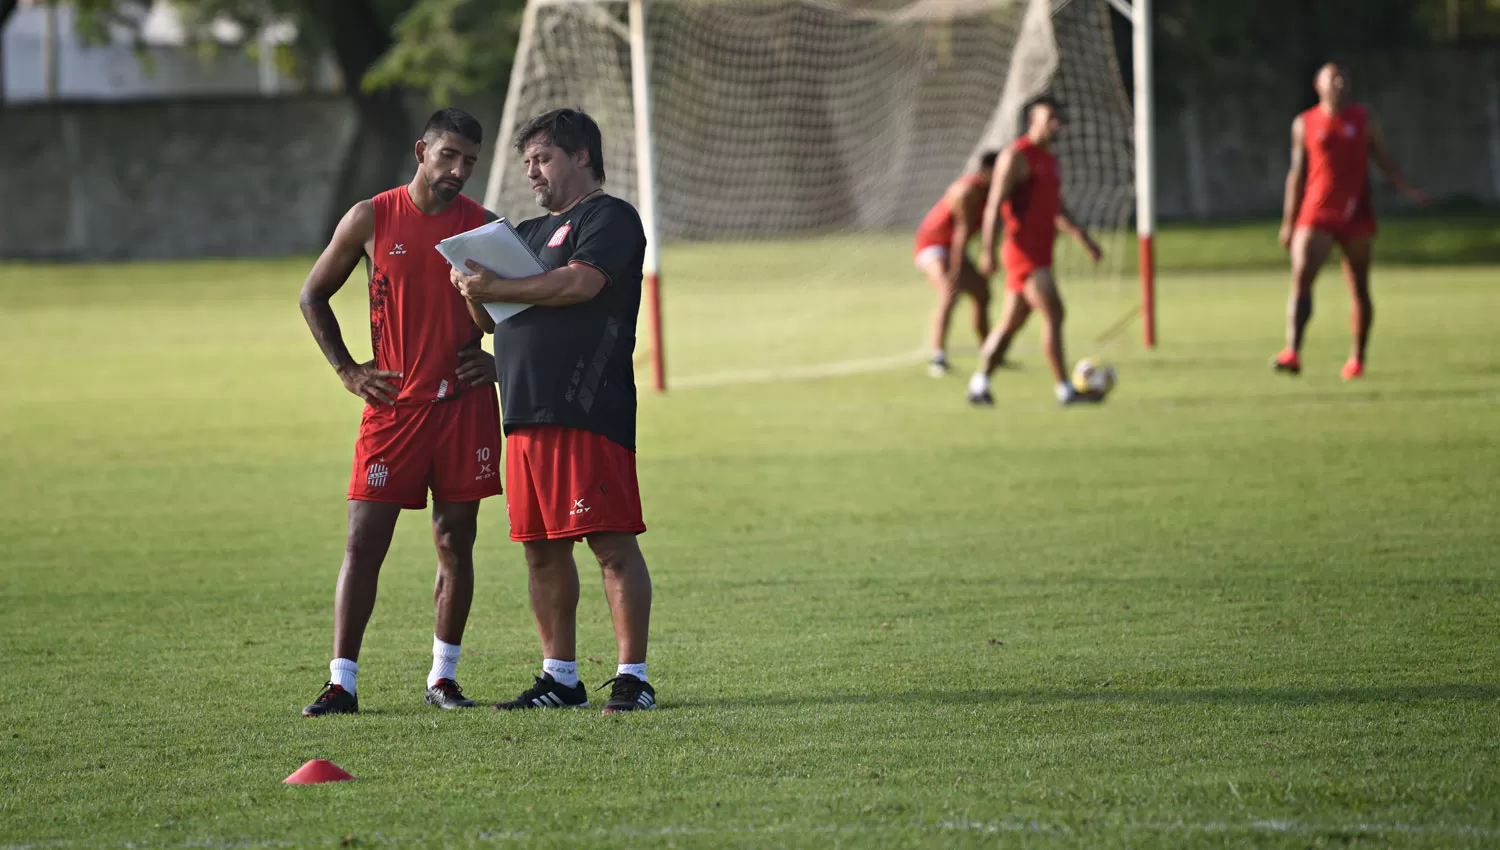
pixel 1225 608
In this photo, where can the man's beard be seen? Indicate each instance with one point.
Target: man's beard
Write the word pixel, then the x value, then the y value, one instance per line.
pixel 543 196
pixel 446 190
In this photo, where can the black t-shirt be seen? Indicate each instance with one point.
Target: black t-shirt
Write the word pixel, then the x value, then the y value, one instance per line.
pixel 572 365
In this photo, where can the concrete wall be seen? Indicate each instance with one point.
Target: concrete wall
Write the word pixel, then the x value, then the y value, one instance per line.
pixel 1226 151
pixel 191 178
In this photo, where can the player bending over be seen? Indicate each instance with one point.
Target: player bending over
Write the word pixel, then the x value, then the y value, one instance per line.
pixel 941 254
pixel 430 420
pixel 1328 201
pixel 1026 196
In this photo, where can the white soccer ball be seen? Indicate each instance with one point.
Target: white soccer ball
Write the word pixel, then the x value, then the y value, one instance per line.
pixel 1092 377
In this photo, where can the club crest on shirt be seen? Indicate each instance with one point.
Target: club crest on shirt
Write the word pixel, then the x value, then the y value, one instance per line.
pixel 559 235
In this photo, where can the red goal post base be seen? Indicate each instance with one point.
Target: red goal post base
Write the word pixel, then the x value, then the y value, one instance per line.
pixel 1148 290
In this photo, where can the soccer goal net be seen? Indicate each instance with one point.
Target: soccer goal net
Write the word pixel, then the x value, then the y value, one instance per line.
pixel 750 119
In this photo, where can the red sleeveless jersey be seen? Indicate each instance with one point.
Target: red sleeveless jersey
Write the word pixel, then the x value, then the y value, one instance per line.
pixel 1338 167
pixel 937 227
pixel 418 321
pixel 1030 213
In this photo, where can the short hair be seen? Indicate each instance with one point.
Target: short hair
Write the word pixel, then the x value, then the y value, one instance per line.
pixel 455 121
pixel 1040 100
pixel 987 159
pixel 570 129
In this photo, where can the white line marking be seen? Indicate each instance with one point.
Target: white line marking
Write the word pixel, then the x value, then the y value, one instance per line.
pixel 799 373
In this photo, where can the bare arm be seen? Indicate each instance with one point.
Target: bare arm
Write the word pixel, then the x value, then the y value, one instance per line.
pixel 1066 224
pixel 571 284
pixel 1296 181
pixel 1388 165
pixel 1010 171
pixel 334 265
pixel 961 198
pixel 327 277
pixel 477 312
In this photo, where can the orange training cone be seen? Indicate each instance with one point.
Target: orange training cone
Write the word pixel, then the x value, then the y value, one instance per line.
pixel 318 770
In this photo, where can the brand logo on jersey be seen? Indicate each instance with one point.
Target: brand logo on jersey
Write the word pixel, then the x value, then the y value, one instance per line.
pixel 559 235
pixel 398 250
pixel 443 388
pixel 578 508
pixel 1349 131
pixel 377 474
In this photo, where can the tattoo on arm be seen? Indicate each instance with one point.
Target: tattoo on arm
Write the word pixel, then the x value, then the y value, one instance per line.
pixel 327 277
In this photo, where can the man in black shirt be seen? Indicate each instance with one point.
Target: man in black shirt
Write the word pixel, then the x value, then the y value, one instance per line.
pixel 567 396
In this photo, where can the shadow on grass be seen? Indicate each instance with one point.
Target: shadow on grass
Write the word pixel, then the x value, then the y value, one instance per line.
pixel 1275 697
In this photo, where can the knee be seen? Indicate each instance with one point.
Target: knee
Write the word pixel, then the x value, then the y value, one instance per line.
pixel 453 539
pixel 616 552
pixel 547 555
pixel 362 555
pixel 1054 314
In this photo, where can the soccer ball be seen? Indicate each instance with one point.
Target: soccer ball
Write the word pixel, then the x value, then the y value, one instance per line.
pixel 1091 377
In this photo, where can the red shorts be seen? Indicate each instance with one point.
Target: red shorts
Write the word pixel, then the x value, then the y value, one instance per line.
pixel 1021 262
pixel 1343 230
pixel 451 448
pixel 565 483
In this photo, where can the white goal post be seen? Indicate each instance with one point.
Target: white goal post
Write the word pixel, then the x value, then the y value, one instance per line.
pixel 752 119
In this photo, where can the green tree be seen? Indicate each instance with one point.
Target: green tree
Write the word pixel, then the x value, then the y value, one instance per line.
pixel 385 50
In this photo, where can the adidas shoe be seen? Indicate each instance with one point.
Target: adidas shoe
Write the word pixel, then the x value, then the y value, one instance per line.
pixel 980 399
pixel 446 694
pixel 547 693
pixel 333 700
pixel 629 694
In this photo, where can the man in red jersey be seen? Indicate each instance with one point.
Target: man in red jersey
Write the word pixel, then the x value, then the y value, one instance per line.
pixel 1328 201
pixel 568 389
pixel 941 254
pixel 431 421
pixel 1026 196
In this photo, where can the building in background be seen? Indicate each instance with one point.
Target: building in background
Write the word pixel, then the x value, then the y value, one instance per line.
pixel 43 58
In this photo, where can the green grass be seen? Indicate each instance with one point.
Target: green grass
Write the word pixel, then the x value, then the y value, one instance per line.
pixel 1226 608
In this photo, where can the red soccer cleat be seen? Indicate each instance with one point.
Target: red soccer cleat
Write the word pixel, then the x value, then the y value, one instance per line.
pixel 1287 361
pixel 1353 369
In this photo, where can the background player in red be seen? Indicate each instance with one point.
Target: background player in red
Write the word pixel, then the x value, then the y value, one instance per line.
pixel 1328 201
pixel 942 255
pixel 430 418
pixel 1026 195
pixel 568 390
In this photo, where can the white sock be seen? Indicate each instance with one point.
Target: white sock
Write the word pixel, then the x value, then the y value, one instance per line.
pixel 565 672
pixel 979 383
pixel 444 661
pixel 341 672
pixel 636 670
pixel 1065 391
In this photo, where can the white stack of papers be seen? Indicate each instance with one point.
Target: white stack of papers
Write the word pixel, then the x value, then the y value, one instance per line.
pixel 498 247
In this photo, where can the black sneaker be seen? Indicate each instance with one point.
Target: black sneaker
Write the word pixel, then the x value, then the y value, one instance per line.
pixel 333 700
pixel 629 694
pixel 547 693
pixel 447 694
pixel 983 399
pixel 938 366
